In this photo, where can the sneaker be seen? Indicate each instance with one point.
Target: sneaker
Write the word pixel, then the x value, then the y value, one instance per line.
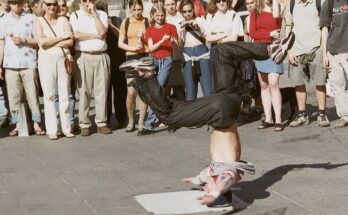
pixel 52 136
pixel 301 119
pixel 323 121
pixel 144 132
pixel 69 135
pixel 130 66
pixel 341 123
pixel 104 130
pixel 85 132
pixel 280 53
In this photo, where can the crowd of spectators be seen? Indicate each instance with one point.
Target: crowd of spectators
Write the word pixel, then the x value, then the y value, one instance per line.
pixel 50 50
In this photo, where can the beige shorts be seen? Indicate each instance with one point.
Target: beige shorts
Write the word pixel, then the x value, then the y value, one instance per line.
pixel 309 69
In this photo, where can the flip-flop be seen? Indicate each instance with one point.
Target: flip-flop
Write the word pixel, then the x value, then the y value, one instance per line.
pixel 39 132
pixel 13 133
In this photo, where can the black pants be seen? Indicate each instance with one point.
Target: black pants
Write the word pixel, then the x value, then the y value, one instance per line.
pixel 219 109
pixel 117 94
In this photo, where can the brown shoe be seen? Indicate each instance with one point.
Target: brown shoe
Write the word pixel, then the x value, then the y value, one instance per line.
pixel 85 132
pixel 104 130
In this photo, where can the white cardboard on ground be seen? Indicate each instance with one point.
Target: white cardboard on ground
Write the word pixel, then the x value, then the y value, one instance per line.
pixel 183 202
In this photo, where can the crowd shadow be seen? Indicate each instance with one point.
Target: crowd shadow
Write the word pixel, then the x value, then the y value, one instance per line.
pixel 249 191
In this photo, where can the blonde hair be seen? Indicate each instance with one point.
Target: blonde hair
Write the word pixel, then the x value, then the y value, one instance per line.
pixel 157 8
pixel 39 10
pixel 260 5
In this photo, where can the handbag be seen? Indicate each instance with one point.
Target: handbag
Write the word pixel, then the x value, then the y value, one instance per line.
pixel 69 62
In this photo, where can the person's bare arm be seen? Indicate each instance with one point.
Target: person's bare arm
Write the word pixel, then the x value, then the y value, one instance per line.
pixel 126 47
pixel 211 37
pixel 154 47
pixel 101 29
pixel 278 9
pixel 43 41
pixel 114 29
pixel 230 38
pixel 324 37
pixel 68 31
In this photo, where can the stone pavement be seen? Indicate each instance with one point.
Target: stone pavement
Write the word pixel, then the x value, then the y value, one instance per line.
pixel 299 171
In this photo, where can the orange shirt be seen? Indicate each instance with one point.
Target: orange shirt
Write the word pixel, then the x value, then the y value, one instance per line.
pixel 134 26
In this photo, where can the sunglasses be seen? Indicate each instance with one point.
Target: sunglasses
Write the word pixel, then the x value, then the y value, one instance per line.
pixel 51 4
pixel 62 5
pixel 187 11
pixel 218 1
pixel 90 1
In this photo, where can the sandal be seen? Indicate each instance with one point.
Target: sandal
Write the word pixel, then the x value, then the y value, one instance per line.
pixel 264 125
pixel 39 132
pixel 130 128
pixel 13 133
pixel 278 127
pixel 141 126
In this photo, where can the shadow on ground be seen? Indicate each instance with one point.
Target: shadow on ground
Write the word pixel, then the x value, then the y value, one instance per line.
pixel 249 194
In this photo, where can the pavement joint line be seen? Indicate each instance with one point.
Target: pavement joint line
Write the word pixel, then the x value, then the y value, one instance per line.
pixel 62 178
pixel 293 201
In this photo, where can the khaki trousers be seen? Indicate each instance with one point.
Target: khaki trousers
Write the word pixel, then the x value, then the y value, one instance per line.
pixel 53 76
pixel 92 76
pixel 18 82
pixel 338 79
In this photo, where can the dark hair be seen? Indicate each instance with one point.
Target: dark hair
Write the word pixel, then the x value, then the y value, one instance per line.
pixel 135 2
pixel 212 8
pixel 101 5
pixel 186 2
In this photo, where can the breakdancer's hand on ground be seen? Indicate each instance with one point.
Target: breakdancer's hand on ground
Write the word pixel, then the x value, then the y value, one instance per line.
pixel 212 191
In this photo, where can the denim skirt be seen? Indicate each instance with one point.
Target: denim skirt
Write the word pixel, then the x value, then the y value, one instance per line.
pixel 269 66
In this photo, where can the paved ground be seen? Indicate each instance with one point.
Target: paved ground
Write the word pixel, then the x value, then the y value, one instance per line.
pixel 299 171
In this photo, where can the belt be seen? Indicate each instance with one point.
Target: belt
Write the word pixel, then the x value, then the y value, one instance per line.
pixel 93 52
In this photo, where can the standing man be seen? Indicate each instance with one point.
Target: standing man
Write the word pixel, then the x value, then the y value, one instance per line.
pixel 334 17
pixel 176 80
pixel 4 9
pixel 92 74
pixel 305 57
pixel 18 54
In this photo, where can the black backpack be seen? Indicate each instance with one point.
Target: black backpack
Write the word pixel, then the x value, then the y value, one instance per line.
pixel 317 3
pixel 127 25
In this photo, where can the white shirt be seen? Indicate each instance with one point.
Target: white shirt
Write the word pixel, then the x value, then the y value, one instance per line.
pixel 86 24
pixel 229 22
pixel 175 20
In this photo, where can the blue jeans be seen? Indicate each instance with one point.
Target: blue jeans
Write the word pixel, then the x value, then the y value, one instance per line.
pixel 164 66
pixel 205 77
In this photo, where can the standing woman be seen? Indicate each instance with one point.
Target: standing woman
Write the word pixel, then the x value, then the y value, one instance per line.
pixel 161 38
pixel 131 39
pixel 54 38
pixel 223 23
pixel 264 27
pixel 192 37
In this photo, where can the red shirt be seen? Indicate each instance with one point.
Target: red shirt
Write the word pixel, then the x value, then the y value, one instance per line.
pixel 198 8
pixel 156 34
pixel 262 24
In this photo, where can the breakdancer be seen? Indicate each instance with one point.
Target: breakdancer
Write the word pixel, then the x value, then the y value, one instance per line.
pixel 219 110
